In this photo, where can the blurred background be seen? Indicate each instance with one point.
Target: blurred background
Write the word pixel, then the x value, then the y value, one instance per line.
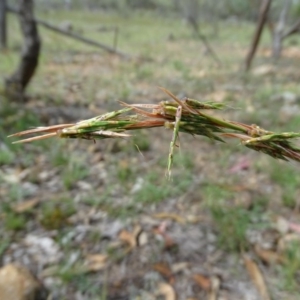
pixel 87 220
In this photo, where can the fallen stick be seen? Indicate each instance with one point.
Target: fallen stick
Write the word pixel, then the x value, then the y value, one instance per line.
pixel 75 36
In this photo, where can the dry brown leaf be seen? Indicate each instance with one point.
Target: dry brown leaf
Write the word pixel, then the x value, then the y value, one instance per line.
pixel 171 216
pixel 130 238
pixel 96 262
pixel 25 205
pixel 203 281
pixel 165 271
pixel 137 229
pixel 193 219
pixel 166 290
pixel 180 266
pixel 268 256
pixel 215 286
pixel 256 277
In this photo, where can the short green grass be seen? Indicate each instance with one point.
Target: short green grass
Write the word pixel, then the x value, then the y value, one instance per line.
pixel 232 221
pixel 54 214
pixel 290 269
pixel 74 171
pixel 289 181
pixel 232 224
pixel 6 156
pixel 13 221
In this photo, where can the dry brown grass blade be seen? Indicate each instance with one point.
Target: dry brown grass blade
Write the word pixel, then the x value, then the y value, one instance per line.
pixel 36 138
pixel 53 128
pixel 268 256
pixel 143 112
pixel 147 106
pixel 181 103
pixel 146 124
pixel 240 136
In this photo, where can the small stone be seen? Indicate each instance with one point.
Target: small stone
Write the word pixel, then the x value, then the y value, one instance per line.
pixel 45 249
pixel 17 283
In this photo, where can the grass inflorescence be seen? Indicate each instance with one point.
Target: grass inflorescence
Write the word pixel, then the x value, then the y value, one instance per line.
pixel 187 115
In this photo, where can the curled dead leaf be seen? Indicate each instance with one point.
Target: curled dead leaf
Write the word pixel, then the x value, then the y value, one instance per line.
pixel 166 290
pixel 95 262
pixel 268 256
pixel 25 205
pixel 130 238
pixel 203 281
pixel 179 267
pixel 165 271
pixel 215 286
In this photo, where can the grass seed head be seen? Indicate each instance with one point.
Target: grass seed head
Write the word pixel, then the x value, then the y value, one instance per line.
pixel 178 115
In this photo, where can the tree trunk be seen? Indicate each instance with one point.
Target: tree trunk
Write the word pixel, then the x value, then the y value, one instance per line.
pixel 264 9
pixel 279 31
pixel 16 84
pixel 3 24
